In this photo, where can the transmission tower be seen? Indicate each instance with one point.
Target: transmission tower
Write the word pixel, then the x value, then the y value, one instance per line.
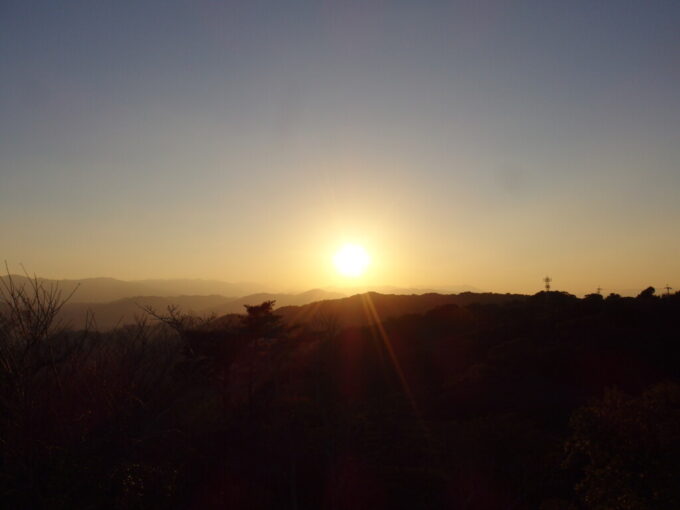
pixel 547 281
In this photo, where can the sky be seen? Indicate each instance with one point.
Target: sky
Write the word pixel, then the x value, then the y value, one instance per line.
pixel 487 143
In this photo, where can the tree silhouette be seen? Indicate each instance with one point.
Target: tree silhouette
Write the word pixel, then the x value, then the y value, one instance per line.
pixel 648 293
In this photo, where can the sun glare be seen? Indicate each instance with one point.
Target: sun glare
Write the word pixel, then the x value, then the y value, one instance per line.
pixel 351 260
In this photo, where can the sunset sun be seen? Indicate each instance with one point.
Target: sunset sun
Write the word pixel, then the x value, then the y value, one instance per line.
pixel 351 260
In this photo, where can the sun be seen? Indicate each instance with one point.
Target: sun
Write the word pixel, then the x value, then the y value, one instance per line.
pixel 351 260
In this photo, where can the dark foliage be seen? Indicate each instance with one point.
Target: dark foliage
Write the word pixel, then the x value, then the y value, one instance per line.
pixel 544 401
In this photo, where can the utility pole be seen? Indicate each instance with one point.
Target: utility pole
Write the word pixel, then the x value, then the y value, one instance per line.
pixel 599 290
pixel 547 281
pixel 668 289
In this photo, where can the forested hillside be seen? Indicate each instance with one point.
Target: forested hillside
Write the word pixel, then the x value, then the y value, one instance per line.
pixel 544 401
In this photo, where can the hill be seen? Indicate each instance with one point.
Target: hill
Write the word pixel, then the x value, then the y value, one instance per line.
pixel 126 311
pixel 106 290
pixel 364 309
pixel 457 401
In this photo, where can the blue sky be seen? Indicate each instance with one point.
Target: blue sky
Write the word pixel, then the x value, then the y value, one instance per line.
pixel 484 143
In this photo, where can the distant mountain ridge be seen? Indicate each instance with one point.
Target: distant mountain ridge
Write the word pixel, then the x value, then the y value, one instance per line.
pixel 116 302
pixel 106 290
pixel 126 310
pixel 357 310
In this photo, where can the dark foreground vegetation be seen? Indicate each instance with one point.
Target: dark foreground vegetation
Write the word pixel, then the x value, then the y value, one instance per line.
pixel 544 401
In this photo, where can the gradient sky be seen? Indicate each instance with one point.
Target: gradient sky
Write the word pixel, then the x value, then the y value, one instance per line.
pixel 481 142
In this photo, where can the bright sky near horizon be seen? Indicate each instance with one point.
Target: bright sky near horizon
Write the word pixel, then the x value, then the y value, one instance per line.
pixel 480 142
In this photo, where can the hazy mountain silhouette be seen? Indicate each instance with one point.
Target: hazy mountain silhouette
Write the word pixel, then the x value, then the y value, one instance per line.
pixel 282 300
pixel 294 308
pixel 116 302
pixel 196 287
pixel 126 310
pixel 105 290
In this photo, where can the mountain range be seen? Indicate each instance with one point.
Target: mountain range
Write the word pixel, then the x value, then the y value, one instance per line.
pixel 105 290
pixel 126 310
pixel 372 307
pixel 114 302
